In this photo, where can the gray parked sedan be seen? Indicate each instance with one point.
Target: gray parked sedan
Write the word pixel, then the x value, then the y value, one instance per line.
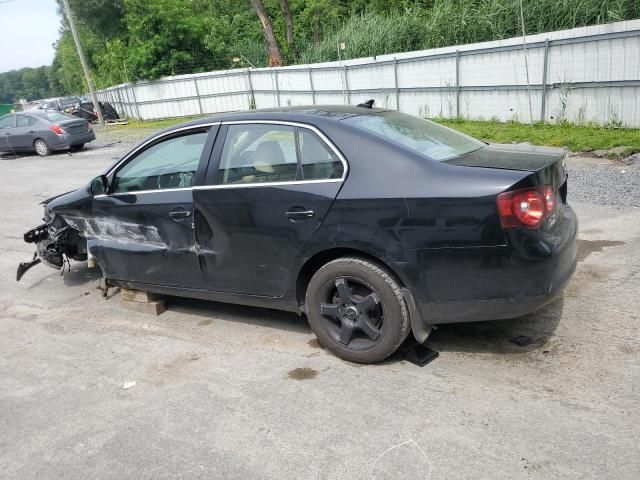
pixel 43 132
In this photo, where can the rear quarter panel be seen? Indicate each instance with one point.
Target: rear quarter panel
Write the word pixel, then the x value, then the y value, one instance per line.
pixel 407 210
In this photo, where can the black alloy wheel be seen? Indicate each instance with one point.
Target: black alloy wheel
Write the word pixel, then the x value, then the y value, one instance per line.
pixel 356 309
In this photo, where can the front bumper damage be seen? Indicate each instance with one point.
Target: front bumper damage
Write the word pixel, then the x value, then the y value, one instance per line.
pixel 56 243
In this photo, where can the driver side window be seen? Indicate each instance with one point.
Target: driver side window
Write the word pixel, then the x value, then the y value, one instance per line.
pixel 170 163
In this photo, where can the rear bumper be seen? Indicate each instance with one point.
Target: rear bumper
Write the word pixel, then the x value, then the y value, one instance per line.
pixel 492 283
pixel 435 313
pixel 68 140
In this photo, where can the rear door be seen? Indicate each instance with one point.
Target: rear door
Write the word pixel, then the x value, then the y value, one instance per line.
pixel 268 188
pixel 142 230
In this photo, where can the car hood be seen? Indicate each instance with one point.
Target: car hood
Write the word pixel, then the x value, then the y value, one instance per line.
pixel 510 157
pixel 50 199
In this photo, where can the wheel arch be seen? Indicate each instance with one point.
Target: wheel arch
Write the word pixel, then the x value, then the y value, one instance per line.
pixel 41 138
pixel 316 261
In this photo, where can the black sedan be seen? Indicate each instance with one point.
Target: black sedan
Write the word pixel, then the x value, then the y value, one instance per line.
pixel 43 132
pixel 372 222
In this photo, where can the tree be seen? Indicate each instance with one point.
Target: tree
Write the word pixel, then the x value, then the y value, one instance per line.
pixel 273 49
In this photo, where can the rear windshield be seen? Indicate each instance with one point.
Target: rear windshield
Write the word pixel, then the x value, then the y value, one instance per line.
pixel 422 136
pixel 56 117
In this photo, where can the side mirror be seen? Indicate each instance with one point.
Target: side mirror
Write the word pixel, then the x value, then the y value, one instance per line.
pixel 100 185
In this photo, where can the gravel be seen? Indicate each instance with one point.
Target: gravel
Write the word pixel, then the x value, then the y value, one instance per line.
pixel 609 183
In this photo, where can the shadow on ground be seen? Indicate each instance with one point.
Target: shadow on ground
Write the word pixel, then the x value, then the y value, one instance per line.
pixel 80 275
pixel 227 312
pixel 477 337
pixel 495 336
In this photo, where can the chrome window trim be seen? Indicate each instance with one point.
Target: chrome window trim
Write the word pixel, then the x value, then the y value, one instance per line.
pixel 153 139
pixel 323 137
pixel 313 128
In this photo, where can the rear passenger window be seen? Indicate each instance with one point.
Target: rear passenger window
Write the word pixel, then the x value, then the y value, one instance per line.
pixel 24 121
pixel 264 153
pixel 258 153
pixel 318 161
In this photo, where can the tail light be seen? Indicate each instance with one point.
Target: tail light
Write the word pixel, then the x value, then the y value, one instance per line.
pixel 526 208
pixel 89 126
pixel 57 129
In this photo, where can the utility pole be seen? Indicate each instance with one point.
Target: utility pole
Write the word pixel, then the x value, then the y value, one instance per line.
pixel 87 76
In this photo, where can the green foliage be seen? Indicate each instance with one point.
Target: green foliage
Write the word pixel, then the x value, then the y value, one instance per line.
pixel 457 22
pixel 234 32
pixel 27 83
pixel 66 65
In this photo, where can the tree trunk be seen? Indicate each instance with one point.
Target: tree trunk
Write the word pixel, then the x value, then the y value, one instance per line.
pixel 288 21
pixel 317 26
pixel 273 49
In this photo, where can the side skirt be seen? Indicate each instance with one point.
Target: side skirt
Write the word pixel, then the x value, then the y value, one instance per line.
pixel 277 303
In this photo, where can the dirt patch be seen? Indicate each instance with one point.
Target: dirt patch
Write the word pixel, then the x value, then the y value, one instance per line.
pixel 587 247
pixel 204 323
pixel 314 343
pixel 174 370
pixel 303 373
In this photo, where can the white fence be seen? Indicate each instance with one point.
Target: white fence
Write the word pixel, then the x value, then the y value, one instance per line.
pixel 589 74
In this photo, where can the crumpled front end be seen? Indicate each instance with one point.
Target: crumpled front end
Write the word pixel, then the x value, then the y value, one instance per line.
pixel 56 242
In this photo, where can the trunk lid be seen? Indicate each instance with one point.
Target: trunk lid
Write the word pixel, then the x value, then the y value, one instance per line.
pixel 75 126
pixel 546 163
pixel 510 157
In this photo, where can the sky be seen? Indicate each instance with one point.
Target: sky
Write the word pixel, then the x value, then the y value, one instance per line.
pixel 28 28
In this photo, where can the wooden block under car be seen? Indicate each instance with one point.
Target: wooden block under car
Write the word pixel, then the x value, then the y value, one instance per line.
pixel 137 296
pixel 155 307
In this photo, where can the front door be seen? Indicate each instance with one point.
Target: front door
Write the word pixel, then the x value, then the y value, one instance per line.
pixel 7 126
pixel 268 190
pixel 142 230
pixel 22 137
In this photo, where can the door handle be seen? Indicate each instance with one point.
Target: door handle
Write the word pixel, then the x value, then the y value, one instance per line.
pixel 294 215
pixel 179 214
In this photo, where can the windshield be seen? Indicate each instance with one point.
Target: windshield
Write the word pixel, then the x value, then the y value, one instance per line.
pixel 422 136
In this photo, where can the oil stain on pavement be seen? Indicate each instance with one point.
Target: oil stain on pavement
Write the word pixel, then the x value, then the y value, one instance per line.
pixel 303 373
pixel 587 247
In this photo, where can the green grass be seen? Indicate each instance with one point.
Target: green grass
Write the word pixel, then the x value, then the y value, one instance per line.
pixel 575 138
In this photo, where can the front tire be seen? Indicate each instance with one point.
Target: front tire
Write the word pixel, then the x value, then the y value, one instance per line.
pixel 356 309
pixel 41 147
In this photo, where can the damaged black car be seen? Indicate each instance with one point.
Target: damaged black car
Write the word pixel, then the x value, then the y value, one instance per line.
pixel 373 223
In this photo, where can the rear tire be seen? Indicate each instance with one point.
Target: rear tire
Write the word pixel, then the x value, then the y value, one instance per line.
pixel 356 309
pixel 41 147
pixel 76 148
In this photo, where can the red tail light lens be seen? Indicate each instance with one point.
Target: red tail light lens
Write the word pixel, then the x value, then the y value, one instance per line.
pixel 528 207
pixel 89 126
pixel 57 129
